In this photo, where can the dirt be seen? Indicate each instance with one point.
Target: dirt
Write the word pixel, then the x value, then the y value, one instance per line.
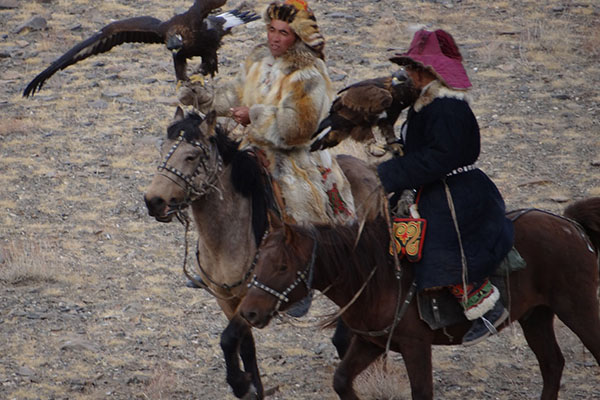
pixel 101 310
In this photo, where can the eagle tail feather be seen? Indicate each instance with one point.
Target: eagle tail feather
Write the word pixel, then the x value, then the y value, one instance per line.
pixel 236 17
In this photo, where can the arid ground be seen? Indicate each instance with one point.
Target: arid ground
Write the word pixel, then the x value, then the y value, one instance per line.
pixel 92 297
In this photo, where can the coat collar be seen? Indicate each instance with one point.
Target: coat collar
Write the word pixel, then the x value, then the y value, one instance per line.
pixel 437 90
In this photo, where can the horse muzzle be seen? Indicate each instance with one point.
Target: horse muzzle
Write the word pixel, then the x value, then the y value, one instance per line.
pixel 160 210
pixel 255 317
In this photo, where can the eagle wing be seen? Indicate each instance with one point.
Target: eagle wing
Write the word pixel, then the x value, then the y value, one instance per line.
pixel 218 26
pixel 367 98
pixel 204 7
pixel 131 30
pixel 354 112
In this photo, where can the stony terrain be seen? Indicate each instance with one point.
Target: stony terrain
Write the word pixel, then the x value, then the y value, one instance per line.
pixel 92 298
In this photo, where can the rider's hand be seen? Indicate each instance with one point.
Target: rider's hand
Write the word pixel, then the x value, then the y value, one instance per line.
pixel 241 115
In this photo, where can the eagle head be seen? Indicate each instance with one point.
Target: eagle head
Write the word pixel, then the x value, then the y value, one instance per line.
pixel 175 42
pixel 399 77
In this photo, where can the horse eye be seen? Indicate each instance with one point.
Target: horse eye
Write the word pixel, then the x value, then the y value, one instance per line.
pixel 192 157
pixel 283 268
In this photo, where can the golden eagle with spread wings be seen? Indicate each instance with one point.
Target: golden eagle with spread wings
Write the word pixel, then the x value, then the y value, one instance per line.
pixel 193 33
pixel 366 110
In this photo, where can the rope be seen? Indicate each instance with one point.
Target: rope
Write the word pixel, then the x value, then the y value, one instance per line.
pixel 463 258
pixel 185 221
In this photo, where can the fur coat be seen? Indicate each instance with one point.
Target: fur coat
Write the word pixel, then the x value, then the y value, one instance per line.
pixel 288 96
pixel 441 136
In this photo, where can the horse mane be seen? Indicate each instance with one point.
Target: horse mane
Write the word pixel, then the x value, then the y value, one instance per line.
pixel 349 265
pixel 246 173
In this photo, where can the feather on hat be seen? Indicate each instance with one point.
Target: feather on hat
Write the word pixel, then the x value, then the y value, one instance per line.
pixel 301 20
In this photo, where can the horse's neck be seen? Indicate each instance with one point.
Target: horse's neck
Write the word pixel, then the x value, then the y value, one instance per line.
pixel 223 221
pixel 373 313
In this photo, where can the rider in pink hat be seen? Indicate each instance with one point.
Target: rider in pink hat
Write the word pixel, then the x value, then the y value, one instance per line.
pixel 468 234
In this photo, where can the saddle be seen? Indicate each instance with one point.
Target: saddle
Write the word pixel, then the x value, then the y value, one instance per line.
pixel 439 308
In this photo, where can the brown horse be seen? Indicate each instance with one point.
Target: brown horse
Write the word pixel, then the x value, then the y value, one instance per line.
pixel 561 278
pixel 225 188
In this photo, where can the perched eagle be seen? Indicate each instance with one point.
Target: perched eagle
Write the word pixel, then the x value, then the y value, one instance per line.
pixel 366 111
pixel 193 33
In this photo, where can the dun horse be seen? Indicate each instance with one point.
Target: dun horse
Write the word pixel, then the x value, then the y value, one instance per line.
pixel 560 278
pixel 203 169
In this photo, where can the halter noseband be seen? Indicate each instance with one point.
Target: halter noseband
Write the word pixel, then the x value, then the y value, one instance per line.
pixel 207 185
pixel 302 276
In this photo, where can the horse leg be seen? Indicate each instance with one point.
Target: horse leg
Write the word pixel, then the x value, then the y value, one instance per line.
pixel 417 359
pixel 584 321
pixel 248 354
pixel 232 337
pixel 341 338
pixel 538 329
pixel 359 356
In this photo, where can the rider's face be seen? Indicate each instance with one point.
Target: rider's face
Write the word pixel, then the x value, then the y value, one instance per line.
pixel 280 37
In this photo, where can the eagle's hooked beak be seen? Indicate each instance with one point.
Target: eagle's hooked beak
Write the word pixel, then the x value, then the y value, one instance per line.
pixel 175 43
pixel 399 76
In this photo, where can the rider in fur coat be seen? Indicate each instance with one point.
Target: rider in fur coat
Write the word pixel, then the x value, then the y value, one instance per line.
pixel 281 93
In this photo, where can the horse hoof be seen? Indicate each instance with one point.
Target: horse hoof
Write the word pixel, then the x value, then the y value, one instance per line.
pixel 252 394
pixel 242 386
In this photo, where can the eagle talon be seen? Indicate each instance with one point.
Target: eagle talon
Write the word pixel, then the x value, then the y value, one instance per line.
pixel 197 79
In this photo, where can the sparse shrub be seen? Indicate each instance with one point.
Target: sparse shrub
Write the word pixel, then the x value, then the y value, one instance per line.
pixel 25 261
pixel 162 383
pixel 383 380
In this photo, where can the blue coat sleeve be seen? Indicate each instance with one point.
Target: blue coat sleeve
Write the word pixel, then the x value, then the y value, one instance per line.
pixel 441 137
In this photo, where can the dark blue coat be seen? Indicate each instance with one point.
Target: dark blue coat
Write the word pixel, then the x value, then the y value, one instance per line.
pixel 443 136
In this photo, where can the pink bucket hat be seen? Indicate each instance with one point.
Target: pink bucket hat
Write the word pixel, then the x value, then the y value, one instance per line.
pixel 437 52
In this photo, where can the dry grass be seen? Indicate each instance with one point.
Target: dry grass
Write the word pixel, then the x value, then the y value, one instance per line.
pixel 26 261
pixel 161 384
pixel 383 380
pixel 9 126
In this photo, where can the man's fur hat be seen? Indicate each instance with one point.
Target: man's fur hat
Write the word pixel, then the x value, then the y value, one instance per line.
pixel 301 20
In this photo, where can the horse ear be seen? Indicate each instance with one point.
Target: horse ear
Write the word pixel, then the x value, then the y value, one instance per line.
pixel 274 220
pixel 208 125
pixel 178 114
pixel 289 234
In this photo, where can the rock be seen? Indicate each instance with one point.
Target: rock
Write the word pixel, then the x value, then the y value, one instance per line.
pixel 98 104
pixel 8 4
pixel 36 23
pixel 78 344
pixel 560 199
pixel 341 15
pixel 111 95
pixel 26 371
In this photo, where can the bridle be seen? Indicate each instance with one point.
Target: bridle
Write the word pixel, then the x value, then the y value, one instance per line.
pixel 304 276
pixel 212 171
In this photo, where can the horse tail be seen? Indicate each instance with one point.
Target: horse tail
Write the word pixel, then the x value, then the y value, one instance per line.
pixel 586 212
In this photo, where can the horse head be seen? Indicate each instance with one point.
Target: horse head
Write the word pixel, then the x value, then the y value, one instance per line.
pixel 283 272
pixel 190 168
